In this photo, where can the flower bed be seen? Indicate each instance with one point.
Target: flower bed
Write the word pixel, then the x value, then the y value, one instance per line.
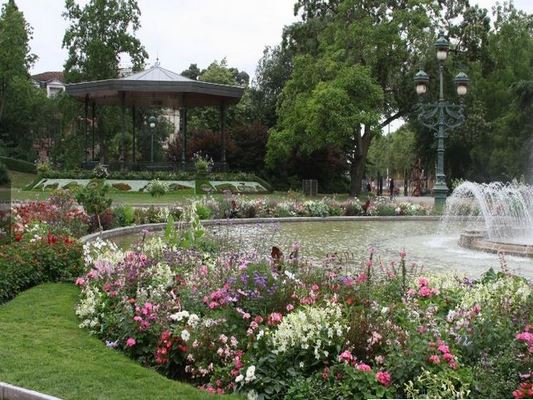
pixel 27 263
pixel 283 328
pixel 60 215
pixel 241 207
pixel 43 245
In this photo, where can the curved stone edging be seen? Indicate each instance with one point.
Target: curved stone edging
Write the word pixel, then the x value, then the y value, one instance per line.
pixel 117 232
pixel 11 392
pixel 477 240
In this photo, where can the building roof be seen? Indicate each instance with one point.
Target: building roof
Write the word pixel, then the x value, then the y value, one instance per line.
pixel 157 73
pixel 156 87
pixel 49 76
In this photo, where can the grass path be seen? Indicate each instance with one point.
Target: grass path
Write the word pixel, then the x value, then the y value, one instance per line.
pixel 42 348
pixel 21 179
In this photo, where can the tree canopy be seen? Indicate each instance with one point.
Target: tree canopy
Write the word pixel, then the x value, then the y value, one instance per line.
pixel 352 62
pixel 99 33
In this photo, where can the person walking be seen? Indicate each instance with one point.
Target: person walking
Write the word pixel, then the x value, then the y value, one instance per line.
pixel 391 188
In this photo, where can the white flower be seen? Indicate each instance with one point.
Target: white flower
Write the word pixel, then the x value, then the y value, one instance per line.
pixel 252 395
pixel 179 316
pixel 185 335
pixel 193 320
pixel 250 374
pixel 239 378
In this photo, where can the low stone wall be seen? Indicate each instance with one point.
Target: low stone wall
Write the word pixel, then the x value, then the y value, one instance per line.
pixel 477 240
pixel 10 392
pixel 128 230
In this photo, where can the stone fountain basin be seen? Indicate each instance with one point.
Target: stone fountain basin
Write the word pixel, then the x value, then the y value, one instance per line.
pixel 478 240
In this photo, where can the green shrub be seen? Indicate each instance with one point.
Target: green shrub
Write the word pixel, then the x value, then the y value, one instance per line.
pixel 203 211
pixel 4 175
pixel 26 264
pixel 227 186
pixel 18 165
pixel 94 198
pixel 122 187
pixel 326 384
pixel 43 168
pixel 124 215
pixel 72 185
pixel 202 165
pixel 156 188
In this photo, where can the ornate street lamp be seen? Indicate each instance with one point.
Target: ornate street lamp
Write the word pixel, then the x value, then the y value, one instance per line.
pixel 151 123
pixel 440 116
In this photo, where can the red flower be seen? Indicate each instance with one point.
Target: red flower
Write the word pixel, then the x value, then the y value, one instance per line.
pixel 52 239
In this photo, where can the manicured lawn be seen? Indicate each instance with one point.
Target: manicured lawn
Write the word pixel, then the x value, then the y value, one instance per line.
pixel 42 348
pixel 21 179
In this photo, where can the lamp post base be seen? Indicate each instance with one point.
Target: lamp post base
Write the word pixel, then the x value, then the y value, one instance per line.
pixel 440 192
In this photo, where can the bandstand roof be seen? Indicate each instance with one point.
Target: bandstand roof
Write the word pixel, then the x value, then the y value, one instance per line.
pixel 155 87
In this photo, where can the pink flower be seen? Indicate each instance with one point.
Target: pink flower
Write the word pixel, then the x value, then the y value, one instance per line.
pixel 402 253
pixel 290 307
pixel 448 357
pixel 275 318
pixel 363 367
pixel 361 278
pixel 424 291
pixel 246 315
pixel 434 359
pixel 346 357
pixel 80 282
pixel 422 329
pixel 315 287
pixel 203 270
pixel 443 348
pixel 423 282
pixel 131 342
pixel 383 377
pixel 525 337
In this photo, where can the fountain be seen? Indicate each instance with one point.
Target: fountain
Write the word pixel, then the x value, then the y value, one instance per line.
pixel 494 217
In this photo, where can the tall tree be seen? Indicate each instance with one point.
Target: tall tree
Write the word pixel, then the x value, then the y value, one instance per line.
pixel 372 44
pixel 99 33
pixel 273 70
pixel 15 56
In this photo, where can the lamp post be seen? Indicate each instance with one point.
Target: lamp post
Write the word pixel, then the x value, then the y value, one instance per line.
pixel 440 116
pixel 151 123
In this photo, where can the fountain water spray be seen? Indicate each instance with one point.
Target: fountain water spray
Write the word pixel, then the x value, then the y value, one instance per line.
pixel 504 211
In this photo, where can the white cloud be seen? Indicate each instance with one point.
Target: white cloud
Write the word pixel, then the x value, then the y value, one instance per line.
pixel 181 32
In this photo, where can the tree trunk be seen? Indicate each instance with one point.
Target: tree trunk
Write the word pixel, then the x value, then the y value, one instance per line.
pixel 357 169
pixel 101 138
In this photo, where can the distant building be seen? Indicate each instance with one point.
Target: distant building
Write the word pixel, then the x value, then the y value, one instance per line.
pixel 52 81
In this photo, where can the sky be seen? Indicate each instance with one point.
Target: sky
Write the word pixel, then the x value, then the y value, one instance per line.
pixel 181 32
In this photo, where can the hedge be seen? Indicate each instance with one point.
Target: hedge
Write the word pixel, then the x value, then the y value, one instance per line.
pixel 26 264
pixel 18 165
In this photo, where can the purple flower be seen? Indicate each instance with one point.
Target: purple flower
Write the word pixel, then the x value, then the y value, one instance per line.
pixel 260 280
